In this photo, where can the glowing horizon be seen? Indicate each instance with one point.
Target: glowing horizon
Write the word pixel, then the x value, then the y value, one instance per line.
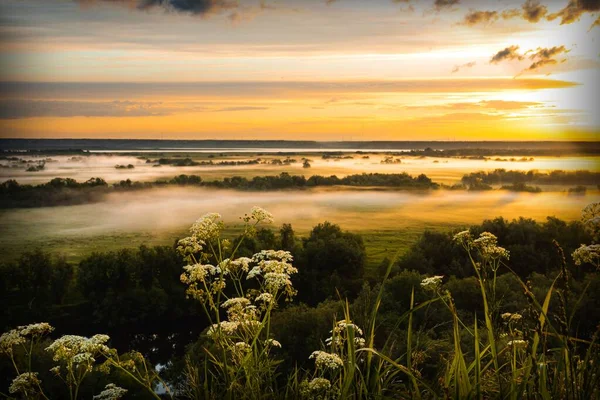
pixel 299 70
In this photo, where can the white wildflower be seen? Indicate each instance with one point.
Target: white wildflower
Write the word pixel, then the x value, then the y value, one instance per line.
pixel 27 383
pixel 78 349
pixel 518 343
pixel 589 254
pixel 261 215
pixel 272 343
pixel 264 297
pixel 327 360
pixel 39 329
pixel 10 339
pixel 111 392
pixel 464 238
pixel 432 283
pixel 207 228
pixel 240 264
pixel 254 272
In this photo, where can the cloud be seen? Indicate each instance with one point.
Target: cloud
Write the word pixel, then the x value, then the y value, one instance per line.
pixel 244 91
pixel 509 53
pixel 546 56
pixel 195 7
pixel 574 9
pixel 495 105
pixel 241 108
pixel 533 11
pixel 13 109
pixel 441 4
pixel 478 17
pixel 459 67
pixel 511 13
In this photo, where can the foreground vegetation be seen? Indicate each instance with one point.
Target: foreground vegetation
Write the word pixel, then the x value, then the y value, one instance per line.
pixel 458 316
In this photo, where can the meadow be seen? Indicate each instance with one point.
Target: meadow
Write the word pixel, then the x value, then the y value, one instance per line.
pixel 370 261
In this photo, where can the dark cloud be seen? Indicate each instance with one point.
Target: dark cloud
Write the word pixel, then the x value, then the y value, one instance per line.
pixel 574 10
pixel 13 109
pixel 533 11
pixel 480 17
pixel 459 67
pixel 543 57
pixel 441 4
pixel 509 53
pixel 195 7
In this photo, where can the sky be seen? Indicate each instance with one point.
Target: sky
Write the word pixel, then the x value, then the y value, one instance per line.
pixel 300 69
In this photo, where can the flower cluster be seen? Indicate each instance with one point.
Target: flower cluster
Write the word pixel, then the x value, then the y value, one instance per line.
pixel 432 283
pixel 26 383
pixel 324 360
pixel 318 389
pixel 78 351
pixel 589 254
pixel 21 334
pixel 591 219
pixel 487 244
pixel 340 334
pixel 511 317
pixel 464 238
pixel 275 269
pixel 517 343
pixel 111 392
pixel 259 214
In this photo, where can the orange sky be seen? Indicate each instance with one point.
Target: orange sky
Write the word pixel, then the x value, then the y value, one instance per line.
pixel 311 69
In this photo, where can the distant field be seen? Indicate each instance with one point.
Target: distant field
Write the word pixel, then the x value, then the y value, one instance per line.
pixel 388 220
pixel 441 170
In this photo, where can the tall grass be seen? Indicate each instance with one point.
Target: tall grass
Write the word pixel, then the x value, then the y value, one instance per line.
pixel 528 355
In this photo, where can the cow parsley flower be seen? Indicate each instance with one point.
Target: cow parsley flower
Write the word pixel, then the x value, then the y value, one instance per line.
pixel 74 349
pixel 264 297
pixel 111 392
pixel 27 383
pixel 261 215
pixel 326 360
pixel 510 317
pixel 464 238
pixel 10 339
pixel 517 343
pixel 207 228
pixel 432 283
pixel 272 343
pixel 39 329
pixel 589 254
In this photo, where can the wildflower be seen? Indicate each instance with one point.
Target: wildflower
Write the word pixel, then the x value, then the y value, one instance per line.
pixel 316 388
pixel 55 370
pixel 78 349
pixel 261 215
pixel 510 317
pixel 38 329
pixel 111 392
pixel 589 254
pixel 27 383
pixel 463 238
pixel 517 343
pixel 272 343
pixel 344 325
pixel 10 339
pixel 226 327
pixel 189 246
pixel 264 297
pixel 432 283
pixel 207 228
pixel 240 264
pixel 254 272
pixel 326 360
pixel 243 347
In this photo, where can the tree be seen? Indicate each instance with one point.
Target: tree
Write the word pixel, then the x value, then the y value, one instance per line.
pixel 331 261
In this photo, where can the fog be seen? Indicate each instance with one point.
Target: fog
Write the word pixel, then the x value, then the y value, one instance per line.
pixel 441 170
pixel 160 215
